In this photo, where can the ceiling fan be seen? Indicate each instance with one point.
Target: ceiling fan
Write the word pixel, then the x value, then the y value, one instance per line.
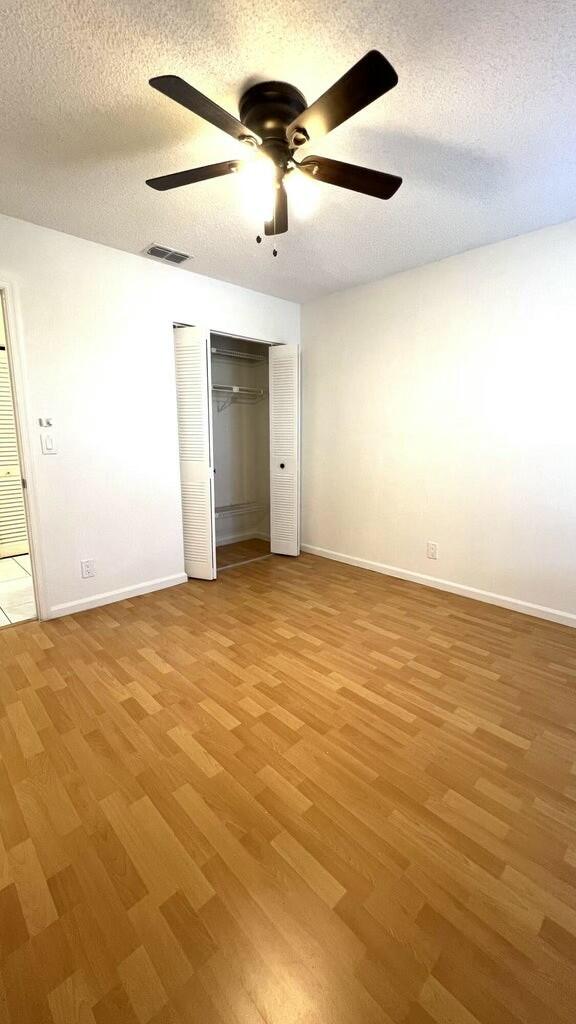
pixel 275 122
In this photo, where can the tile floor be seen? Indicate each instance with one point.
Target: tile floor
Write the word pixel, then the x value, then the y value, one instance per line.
pixel 16 590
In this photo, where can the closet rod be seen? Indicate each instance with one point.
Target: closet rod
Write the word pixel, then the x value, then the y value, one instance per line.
pixel 240 509
pixel 235 389
pixel 233 354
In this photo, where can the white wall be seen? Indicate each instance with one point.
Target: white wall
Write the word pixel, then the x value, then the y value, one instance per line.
pixel 440 405
pixel 95 352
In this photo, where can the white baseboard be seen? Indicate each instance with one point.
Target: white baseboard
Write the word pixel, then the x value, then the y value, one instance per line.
pixel 245 535
pixel 123 594
pixel 512 603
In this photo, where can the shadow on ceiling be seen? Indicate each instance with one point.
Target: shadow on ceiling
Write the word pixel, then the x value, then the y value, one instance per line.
pixel 429 161
pixel 126 130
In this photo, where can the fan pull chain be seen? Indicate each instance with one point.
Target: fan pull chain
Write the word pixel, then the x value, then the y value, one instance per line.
pixel 259 242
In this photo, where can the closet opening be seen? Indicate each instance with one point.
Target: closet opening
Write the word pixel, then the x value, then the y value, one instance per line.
pixel 241 442
pixel 238 404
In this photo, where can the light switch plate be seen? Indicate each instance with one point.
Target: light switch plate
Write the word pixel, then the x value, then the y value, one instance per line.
pixel 48 442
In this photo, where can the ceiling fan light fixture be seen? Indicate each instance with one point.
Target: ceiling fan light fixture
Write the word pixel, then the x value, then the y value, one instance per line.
pixel 299 137
pixel 257 184
pixel 275 121
pixel 303 194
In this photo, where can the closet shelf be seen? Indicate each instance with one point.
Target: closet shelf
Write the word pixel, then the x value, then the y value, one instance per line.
pixel 238 510
pixel 230 354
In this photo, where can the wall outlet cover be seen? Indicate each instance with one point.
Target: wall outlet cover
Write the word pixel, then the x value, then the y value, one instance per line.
pixel 87 568
pixel 432 549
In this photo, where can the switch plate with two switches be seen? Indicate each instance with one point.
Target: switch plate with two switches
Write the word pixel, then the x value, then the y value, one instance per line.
pixel 431 549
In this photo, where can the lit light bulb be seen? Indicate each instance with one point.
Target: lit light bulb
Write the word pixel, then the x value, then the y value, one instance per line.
pixel 257 184
pixel 302 194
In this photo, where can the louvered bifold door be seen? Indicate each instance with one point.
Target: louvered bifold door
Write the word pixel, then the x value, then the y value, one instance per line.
pixel 285 450
pixel 13 531
pixel 195 440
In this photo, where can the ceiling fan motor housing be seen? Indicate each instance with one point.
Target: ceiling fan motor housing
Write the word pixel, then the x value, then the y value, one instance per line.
pixel 268 108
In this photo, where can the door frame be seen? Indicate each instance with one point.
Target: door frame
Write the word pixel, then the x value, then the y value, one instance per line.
pixel 18 377
pixel 272 345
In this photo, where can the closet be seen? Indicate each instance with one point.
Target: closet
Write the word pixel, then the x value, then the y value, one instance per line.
pixel 241 432
pixel 238 428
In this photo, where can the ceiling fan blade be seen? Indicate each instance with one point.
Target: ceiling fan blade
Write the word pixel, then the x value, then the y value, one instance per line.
pixel 370 78
pixel 179 90
pixel 358 179
pixel 279 221
pixel 168 181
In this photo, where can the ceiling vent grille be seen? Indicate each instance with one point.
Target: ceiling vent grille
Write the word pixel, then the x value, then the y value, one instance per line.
pixel 166 255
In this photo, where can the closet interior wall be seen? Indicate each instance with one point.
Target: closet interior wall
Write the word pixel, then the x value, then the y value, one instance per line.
pixel 240 439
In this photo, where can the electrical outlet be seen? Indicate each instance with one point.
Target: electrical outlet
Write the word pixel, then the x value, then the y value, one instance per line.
pixel 431 549
pixel 87 568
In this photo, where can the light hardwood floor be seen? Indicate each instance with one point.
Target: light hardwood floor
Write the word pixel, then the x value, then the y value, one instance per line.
pixel 302 794
pixel 240 551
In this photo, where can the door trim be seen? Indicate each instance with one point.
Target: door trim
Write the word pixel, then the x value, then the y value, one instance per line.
pixel 19 378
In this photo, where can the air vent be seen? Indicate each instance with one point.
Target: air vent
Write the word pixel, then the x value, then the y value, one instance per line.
pixel 166 255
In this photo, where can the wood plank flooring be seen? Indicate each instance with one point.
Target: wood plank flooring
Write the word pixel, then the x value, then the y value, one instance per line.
pixel 302 794
pixel 241 551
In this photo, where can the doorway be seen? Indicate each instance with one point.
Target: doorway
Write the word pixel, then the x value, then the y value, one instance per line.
pixel 17 601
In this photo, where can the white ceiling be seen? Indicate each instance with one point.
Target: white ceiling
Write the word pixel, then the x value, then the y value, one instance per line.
pixel 481 126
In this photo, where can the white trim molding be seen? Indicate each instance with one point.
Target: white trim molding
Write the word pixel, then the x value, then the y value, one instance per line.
pixel 244 535
pixel 122 594
pixel 512 603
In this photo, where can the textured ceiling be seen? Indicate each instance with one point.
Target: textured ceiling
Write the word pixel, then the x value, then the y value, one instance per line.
pixel 481 127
